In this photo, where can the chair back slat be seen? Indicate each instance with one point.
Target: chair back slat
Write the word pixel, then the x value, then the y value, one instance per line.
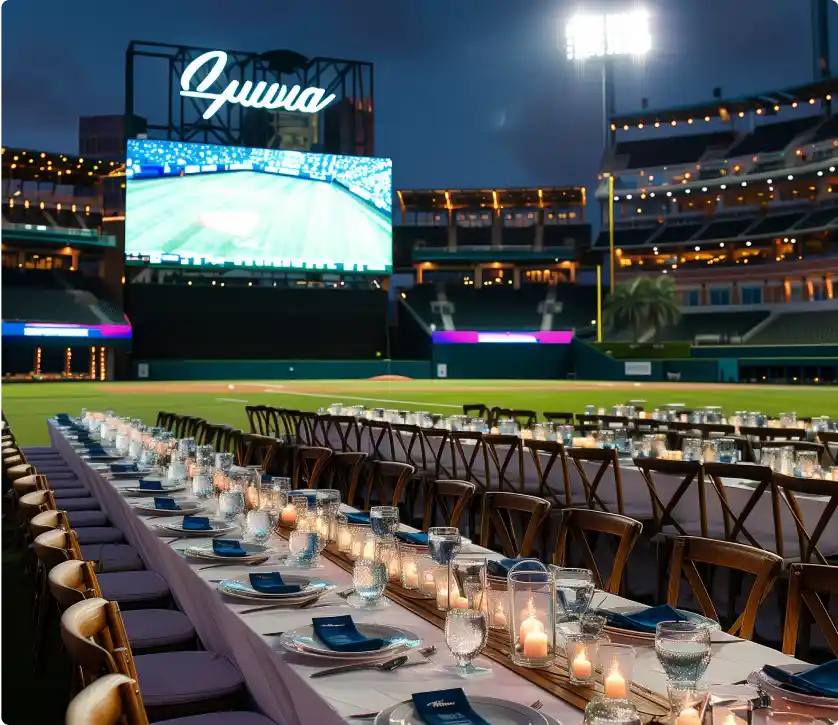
pixel 553 480
pixel 388 481
pixel 608 459
pixel 309 465
pixel 503 460
pixel 344 473
pixel 793 492
pixel 514 519
pixel 446 503
pixel 664 511
pixel 807 583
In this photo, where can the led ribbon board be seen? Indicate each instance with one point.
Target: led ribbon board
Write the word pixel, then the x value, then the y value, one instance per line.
pixel 260 95
pixel 56 330
pixel 449 337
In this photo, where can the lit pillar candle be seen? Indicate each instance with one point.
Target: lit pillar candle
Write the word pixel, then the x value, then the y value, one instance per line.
pixel 615 684
pixel 459 602
pixel 289 514
pixel 499 616
pixel 344 539
pixel 411 574
pixel 394 568
pixel 536 644
pixel 581 666
pixel 442 597
pixel 356 549
pixel 428 584
pixel 528 626
pixel 688 716
pixel 369 549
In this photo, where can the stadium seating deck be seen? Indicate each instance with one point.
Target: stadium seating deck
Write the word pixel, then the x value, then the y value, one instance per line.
pixel 777 223
pixel 497 307
pixel 771 137
pixel 819 219
pixel 725 324
pixel 422 236
pixel 626 237
pixel 678 232
pixel 726 228
pixel 671 150
pixel 799 328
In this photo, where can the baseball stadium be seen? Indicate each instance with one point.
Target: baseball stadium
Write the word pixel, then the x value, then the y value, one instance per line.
pixel 236 312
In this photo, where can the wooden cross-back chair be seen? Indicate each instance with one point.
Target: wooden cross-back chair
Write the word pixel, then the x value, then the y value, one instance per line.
pixel 254 449
pixel 341 433
pixel 829 439
pixel 513 519
pixel 165 420
pixel 503 460
pixel 663 507
pixel 387 484
pixel 574 527
pixel 650 425
pixel 789 488
pixel 551 465
pixel 437 453
pixel 608 460
pixel 73 581
pixel 687 551
pixel 477 410
pixel 310 464
pixel 258 418
pixel 561 417
pixel 445 503
pixel 308 433
pixel 344 474
pixel 377 440
pixel 407 445
pixel 807 584
pixel 110 700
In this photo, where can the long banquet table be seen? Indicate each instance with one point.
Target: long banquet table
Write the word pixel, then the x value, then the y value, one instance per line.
pixel 279 681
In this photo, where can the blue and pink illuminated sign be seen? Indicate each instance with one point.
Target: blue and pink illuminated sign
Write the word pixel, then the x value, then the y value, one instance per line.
pixel 56 330
pixel 461 337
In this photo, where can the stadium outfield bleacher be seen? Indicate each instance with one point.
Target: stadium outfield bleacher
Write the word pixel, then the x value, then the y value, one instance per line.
pixel 799 328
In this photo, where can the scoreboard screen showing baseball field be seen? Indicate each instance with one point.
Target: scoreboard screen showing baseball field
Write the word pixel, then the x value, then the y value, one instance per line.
pixel 207 205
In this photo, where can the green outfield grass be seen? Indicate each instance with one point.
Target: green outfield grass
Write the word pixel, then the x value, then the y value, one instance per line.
pixel 28 405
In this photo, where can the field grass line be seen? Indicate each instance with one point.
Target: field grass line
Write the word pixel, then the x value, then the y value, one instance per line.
pixel 231 400
pixel 366 400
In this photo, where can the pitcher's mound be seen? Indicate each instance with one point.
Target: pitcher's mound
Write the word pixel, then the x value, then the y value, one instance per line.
pixel 391 378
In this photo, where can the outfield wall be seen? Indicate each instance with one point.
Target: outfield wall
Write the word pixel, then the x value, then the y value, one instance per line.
pixel 278 369
pixel 488 361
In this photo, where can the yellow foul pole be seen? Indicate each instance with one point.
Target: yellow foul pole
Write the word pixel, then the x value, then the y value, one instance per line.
pixel 599 303
pixel 612 268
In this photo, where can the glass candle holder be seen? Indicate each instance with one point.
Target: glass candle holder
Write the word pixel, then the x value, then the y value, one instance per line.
pixel 532 631
pixel 469 576
pixel 295 510
pixel 448 595
pixel 685 701
pixel 494 602
pixel 617 664
pixel 224 461
pixel 387 552
pixel 409 558
pixel 303 547
pixel 202 482
pixel 806 464
pixel 574 592
pixel 427 577
pixel 605 711
pixel 356 547
pixel 582 652
pixel 344 534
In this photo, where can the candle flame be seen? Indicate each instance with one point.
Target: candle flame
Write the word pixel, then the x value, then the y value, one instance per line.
pixel 615 667
pixel 531 608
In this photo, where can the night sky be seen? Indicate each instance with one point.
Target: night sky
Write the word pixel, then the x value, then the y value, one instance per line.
pixel 468 93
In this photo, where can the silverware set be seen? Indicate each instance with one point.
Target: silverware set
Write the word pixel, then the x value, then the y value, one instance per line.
pixel 387 666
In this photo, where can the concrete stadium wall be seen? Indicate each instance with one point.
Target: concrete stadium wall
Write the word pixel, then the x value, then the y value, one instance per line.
pixel 497 362
pixel 280 369
pixel 591 364
pixel 766 351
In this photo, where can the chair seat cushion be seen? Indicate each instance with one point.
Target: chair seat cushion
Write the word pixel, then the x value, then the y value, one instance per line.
pixel 83 519
pixel 113 558
pixel 157 628
pixel 52 469
pixel 30 450
pixel 60 475
pixel 61 483
pixel 78 504
pixel 133 586
pixel 223 718
pixel 99 535
pixel 173 678
pixel 61 493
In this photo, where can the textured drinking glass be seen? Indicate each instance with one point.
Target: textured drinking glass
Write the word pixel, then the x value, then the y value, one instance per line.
pixel 593 624
pixel 807 464
pixel 684 695
pixel 409 567
pixel 258 526
pixel 202 482
pixel 384 520
pixel 303 547
pixel 726 451
pixel 469 578
pixel 444 543
pixel 574 591
pixel 683 649
pixel 387 552
pixel 692 449
pixel 231 502
pixel 770 456
pixel 466 634
pixel 609 711
pixel 369 577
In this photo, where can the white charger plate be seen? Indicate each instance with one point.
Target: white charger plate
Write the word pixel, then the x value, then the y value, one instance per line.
pixel 187 510
pixel 776 689
pixel 218 527
pixel 205 552
pixel 305 641
pixel 491 709
pixel 137 491
pixel 711 624
pixel 242 589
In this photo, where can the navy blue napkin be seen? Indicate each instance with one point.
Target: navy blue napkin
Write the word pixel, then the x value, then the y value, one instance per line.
pixel 96 450
pixel 271 583
pixel 417 538
pixel 646 620
pixel 358 517
pixel 227 547
pixel 151 485
pixel 502 567
pixel 821 681
pixel 123 467
pixel 340 634
pixel 196 523
pixel 446 707
pixel 167 504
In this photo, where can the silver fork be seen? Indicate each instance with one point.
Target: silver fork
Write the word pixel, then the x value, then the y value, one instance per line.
pixel 537 705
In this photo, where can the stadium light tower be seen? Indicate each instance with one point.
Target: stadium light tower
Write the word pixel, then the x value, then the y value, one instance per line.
pixel 603 37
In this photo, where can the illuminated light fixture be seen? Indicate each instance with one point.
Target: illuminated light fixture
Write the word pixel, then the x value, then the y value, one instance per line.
pixel 723 186
pixel 791 177
pixel 776 107
pixel 657 124
pixel 652 194
pixel 613 126
pixel 794 104
pixel 747 244
pixel 616 198
pixel 707 118
pixel 674 122
pixel 643 196
pixel 669 193
pixel 698 249
pixel 820 173
pixel 260 95
pixel 759 111
pixel 744 183
pixel 704 188
pixel 832 168
pixel 811 101
pixel 741 114
pixel 628 196
pixel 640 126
pixel 688 191
pixel 189 283
pixel 689 120
pixel 828 96
pixel 786 239
pixel 793 241
pixel 596 36
pixel 625 127
pixel 721 244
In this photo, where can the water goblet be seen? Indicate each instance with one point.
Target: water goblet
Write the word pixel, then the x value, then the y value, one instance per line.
pixel 683 649
pixel 574 592
pixel 303 548
pixel 231 502
pixel 258 526
pixel 369 578
pixel 384 520
pixel 444 543
pixel 466 635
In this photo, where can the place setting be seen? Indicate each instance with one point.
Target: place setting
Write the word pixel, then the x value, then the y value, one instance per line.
pixel 196 527
pixel 167 506
pixel 225 552
pixel 152 487
pixel 814 686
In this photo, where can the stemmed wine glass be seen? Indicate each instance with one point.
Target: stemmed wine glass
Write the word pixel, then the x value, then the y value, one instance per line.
pixel 683 649
pixel 574 591
pixel 444 543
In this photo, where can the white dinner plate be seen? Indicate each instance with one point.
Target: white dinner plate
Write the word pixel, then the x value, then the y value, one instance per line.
pixel 346 657
pixel 777 689
pixel 491 709
pixel 309 588
pixel 187 509
pixel 711 624
pixel 305 641
pixel 255 552
pixel 127 475
pixel 137 491
pixel 218 527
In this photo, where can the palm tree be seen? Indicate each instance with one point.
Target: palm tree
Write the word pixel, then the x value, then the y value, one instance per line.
pixel 643 303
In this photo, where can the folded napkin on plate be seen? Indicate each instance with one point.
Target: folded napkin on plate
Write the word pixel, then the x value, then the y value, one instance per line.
pixel 152 485
pixel 271 583
pixel 123 467
pixel 96 451
pixel 645 620
pixel 340 634
pixel 196 523
pixel 227 547
pixel 167 504
pixel 417 538
pixel 502 566
pixel 821 681
pixel 358 517
pixel 446 707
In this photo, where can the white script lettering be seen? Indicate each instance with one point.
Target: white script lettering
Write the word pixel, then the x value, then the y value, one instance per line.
pixel 248 94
